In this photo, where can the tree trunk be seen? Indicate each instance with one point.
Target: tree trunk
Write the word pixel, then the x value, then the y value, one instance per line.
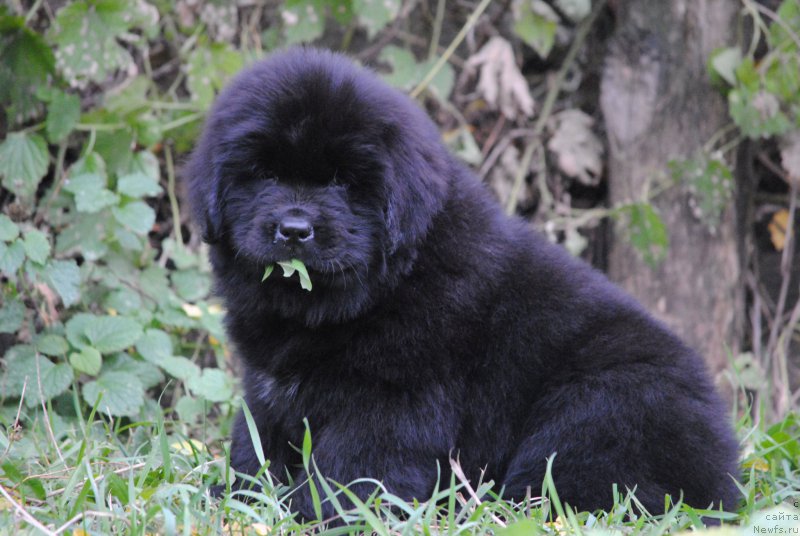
pixel 659 105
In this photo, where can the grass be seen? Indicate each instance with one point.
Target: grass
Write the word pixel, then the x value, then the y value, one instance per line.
pixel 102 476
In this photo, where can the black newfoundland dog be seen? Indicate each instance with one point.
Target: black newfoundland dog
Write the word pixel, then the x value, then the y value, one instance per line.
pixel 436 327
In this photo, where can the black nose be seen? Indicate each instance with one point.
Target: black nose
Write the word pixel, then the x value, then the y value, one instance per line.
pixel 293 230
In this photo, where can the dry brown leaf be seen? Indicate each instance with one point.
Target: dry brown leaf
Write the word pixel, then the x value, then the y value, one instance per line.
pixel 777 228
pixel 500 81
pixel 578 150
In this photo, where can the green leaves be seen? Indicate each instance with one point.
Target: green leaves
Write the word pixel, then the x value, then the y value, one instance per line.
pixel 407 73
pixel 303 20
pixel 647 231
pixel 12 313
pixel 208 69
pixel 106 334
pixel 267 271
pixel 62 115
pixel 375 14
pixel 65 278
pixel 289 269
pixel 536 24
pixel 122 393
pixel 710 185
pixel 26 65
pixel 764 97
pixel 154 346
pixel 11 257
pixel 8 229
pixel 213 384
pixel 88 360
pixel 138 185
pixel 91 194
pixel 41 378
pixel 86 33
pixel 23 163
pixel 136 216
pixel 36 246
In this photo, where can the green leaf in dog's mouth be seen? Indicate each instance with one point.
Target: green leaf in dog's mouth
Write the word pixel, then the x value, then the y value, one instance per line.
pixel 289 268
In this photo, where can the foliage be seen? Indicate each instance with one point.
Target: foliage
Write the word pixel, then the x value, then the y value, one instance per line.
pixel 763 92
pixel 107 477
pixel 289 269
pixel 115 384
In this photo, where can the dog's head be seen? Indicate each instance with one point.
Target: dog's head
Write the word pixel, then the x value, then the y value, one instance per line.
pixel 307 156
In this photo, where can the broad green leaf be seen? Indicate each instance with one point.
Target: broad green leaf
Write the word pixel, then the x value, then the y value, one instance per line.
pixel 149 375
pixel 375 14
pixel 37 246
pixel 11 257
pixel 115 148
pixel 182 256
pixel 26 64
pixel 341 10
pixel 710 184
pixel 137 216
pixel 208 68
pixel 191 285
pixel 86 33
pixel 145 162
pixel 190 409
pixel 175 317
pixel 123 394
pixel 747 75
pixel 12 313
pixel 536 25
pixel 725 61
pixel 65 278
pixel 180 367
pixel 212 385
pixel 296 265
pixel 23 163
pixel 789 15
pixel 55 379
pixel 782 78
pixel 648 234
pixel 8 229
pixel 303 20
pixel 44 379
pixel 84 236
pixel 138 185
pixel 62 115
pixel 407 73
pixel 89 163
pixel 128 240
pixel 51 344
pixel 124 300
pixel 88 361
pixel 155 285
pixel 154 345
pixel 91 194
pixel 758 115
pixel 106 334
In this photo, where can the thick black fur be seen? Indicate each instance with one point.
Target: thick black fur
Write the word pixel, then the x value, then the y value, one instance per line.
pixel 437 325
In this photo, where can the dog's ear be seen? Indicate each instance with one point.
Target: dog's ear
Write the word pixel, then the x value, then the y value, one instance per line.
pixel 416 180
pixel 205 195
pixel 416 186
